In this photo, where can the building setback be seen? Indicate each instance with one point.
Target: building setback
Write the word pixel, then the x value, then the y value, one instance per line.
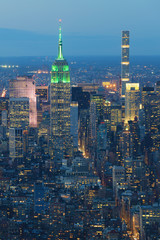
pixel 60 144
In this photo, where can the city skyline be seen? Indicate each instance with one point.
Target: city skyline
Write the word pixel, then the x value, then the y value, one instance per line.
pixel 79 136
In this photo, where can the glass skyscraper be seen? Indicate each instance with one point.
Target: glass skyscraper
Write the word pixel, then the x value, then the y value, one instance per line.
pixel 60 146
pixel 125 62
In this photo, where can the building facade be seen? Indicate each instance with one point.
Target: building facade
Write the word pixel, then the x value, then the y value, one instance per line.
pixel 19 112
pixel 132 101
pixel 124 62
pixel 25 87
pixel 74 123
pixel 60 144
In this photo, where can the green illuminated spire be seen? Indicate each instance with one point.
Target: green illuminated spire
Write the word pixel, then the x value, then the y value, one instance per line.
pixel 60 54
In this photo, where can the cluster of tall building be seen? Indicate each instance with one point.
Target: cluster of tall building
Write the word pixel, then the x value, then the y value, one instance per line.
pixel 82 161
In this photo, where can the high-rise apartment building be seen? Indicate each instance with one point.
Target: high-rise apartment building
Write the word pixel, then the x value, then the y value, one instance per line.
pixel 132 101
pixel 124 62
pixel 60 106
pixel 25 87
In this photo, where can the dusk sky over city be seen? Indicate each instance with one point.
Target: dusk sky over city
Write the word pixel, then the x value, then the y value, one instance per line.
pixel 89 27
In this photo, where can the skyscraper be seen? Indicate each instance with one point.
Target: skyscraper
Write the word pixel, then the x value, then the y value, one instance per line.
pixel 135 132
pixel 82 97
pixel 19 121
pixel 3 107
pixel 132 101
pixel 96 114
pixel 42 100
pixel 16 143
pixel 152 119
pixel 126 143
pixel 42 92
pixel 116 116
pixel 74 123
pixel 84 131
pixel 124 62
pixel 25 87
pixel 60 106
pixel 19 112
pixel 146 91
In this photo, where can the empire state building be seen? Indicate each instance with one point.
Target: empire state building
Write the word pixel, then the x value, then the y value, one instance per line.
pixel 60 146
